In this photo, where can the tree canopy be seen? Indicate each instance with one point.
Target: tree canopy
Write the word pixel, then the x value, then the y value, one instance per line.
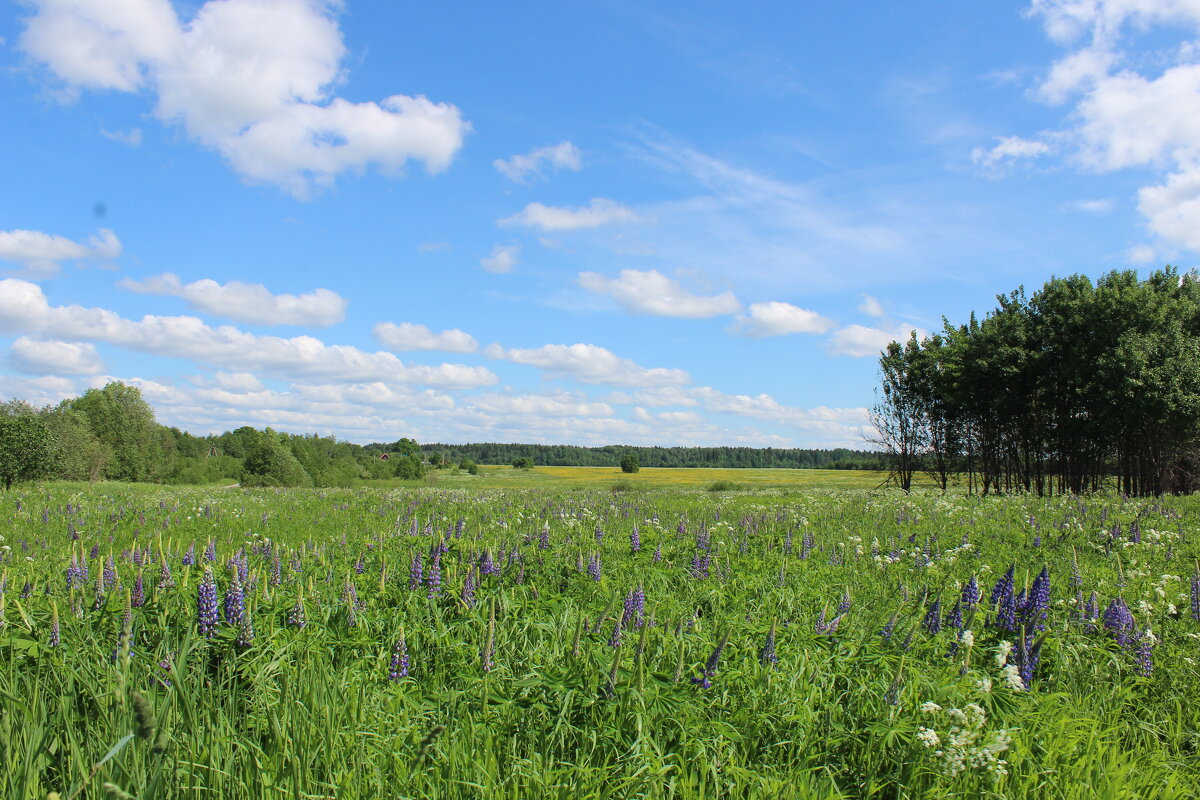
pixel 1080 386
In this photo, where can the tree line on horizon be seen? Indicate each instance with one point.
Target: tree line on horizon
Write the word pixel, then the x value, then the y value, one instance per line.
pixel 112 434
pixel 565 455
pixel 1076 388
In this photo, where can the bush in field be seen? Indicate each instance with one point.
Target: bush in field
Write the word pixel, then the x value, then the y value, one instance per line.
pixel 269 462
pixel 524 462
pixel 629 463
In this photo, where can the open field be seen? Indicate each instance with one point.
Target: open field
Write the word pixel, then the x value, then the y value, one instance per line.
pixel 679 643
pixel 502 477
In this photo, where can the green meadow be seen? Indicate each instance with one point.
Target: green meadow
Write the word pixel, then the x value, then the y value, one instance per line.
pixel 537 634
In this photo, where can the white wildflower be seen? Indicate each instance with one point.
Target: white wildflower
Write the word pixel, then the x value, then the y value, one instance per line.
pixel 1012 676
pixel 984 685
pixel 930 707
pixel 967 638
pixel 928 737
pixel 1003 652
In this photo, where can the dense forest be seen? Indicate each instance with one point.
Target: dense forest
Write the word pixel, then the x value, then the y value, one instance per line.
pixel 1081 386
pixel 112 434
pixel 563 455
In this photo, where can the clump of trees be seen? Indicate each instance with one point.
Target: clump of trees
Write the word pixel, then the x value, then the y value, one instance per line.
pixel 1079 387
pixel 567 455
pixel 524 462
pixel 112 434
pixel 629 463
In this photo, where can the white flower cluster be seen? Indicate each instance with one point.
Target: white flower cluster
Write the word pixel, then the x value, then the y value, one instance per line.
pixel 965 744
pixel 1010 672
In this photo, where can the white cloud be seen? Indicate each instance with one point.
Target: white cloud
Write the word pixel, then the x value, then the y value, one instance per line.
pixel 250 79
pixel 871 307
pixel 589 363
pixel 1173 209
pixel 1130 110
pixel 559 404
pixel 47 357
pixel 238 382
pixel 597 213
pixel 24 309
pixel 247 302
pixel 1140 254
pixel 1097 206
pixel 651 292
pixel 776 318
pixel 131 137
pixel 1010 149
pixel 524 168
pixel 858 341
pixel 502 258
pixel 408 336
pixel 41 253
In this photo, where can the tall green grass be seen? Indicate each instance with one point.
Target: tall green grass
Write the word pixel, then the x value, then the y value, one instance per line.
pixel 311 712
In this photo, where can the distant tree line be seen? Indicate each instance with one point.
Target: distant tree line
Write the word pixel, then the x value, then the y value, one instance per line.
pixel 1076 388
pixel 111 434
pixel 564 455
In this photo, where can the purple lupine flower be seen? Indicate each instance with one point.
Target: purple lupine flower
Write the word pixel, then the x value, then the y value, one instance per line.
pixel 657 554
pixel 593 566
pixel 95 552
pixel 618 628
pixel 767 655
pixel 351 616
pixel 487 566
pixel 1004 586
pixel 710 666
pixel 889 628
pixel 296 617
pixel 544 538
pixel 235 600
pixel 276 570
pixel 970 593
pixel 955 618
pixel 635 539
pixel 415 570
pixel 599 534
pixel 165 581
pixel 207 609
pixel 399 665
pixel 1119 620
pixel 165 665
pixel 639 607
pixel 433 581
pixel 138 596
pixel 468 588
pixel 1038 600
pixel 245 630
pixel 806 545
pixel 55 637
pixel 110 573
pixel 359 566
pixel 1143 654
pixel 844 605
pixel 819 626
pixel 210 552
pixel 189 557
pixel 701 562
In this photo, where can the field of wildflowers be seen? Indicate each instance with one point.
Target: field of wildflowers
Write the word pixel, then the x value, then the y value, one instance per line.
pixel 661 643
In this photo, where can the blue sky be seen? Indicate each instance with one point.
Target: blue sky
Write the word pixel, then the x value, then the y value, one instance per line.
pixel 585 223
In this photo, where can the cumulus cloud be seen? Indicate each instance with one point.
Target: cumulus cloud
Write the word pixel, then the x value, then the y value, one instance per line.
pixel 858 341
pixel 42 253
pixel 651 292
pixel 871 306
pixel 1140 254
pixel 1009 150
pixel 502 258
pixel 247 302
pixel 589 363
pixel 251 79
pixel 408 336
pixel 24 309
pixel 524 168
pixel 559 404
pixel 776 318
pixel 597 213
pixel 48 357
pixel 1129 110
